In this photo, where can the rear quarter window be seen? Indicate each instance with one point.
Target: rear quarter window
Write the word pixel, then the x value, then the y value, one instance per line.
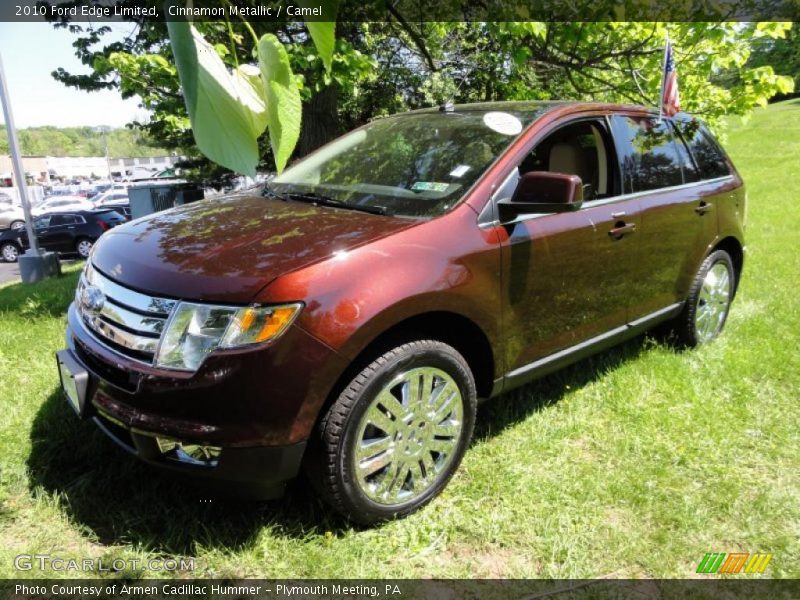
pixel 708 156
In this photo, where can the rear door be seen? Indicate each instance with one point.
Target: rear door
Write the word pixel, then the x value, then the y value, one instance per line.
pixel 660 172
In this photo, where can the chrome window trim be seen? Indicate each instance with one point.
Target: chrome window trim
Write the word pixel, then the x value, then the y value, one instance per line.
pixel 604 201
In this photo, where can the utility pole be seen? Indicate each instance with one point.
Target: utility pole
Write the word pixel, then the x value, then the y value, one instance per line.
pixel 108 161
pixel 34 264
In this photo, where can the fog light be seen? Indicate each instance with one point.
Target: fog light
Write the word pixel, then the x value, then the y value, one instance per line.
pixel 192 454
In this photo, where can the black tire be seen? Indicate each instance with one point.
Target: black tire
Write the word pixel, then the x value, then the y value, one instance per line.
pixel 9 252
pixel 685 326
pixel 332 463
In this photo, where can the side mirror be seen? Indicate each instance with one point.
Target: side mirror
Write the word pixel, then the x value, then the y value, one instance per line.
pixel 543 192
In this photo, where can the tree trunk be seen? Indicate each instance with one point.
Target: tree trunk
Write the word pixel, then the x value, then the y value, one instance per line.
pixel 320 121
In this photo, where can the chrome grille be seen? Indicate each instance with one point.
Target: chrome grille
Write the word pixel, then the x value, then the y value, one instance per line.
pixel 127 321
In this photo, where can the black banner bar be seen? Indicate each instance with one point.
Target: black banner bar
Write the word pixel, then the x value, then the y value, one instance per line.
pixel 425 589
pixel 100 11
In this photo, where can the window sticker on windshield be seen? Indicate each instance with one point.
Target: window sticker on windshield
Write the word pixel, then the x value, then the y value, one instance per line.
pixel 460 170
pixel 429 186
pixel 502 122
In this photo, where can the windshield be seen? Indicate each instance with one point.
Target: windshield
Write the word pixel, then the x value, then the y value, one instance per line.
pixel 417 164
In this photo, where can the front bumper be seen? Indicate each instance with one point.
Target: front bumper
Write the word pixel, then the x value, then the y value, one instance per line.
pixel 252 409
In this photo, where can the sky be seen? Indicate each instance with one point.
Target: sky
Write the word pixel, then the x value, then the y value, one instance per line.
pixel 30 52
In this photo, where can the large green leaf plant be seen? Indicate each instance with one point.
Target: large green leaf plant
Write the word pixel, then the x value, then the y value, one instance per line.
pixel 230 109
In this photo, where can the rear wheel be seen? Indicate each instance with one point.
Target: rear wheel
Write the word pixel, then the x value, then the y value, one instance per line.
pixel 17 225
pixel 397 433
pixel 84 247
pixel 9 252
pixel 707 307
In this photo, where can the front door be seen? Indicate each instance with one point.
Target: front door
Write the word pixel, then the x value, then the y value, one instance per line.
pixel 566 276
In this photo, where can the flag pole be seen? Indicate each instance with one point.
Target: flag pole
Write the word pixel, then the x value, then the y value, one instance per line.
pixel 663 79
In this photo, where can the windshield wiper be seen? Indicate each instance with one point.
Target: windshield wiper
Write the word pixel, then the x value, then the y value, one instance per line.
pixel 268 191
pixel 314 198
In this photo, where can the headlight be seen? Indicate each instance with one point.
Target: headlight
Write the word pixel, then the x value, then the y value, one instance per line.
pixel 196 330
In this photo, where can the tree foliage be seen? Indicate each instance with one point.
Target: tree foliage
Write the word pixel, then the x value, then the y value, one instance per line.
pixel 384 67
pixel 82 141
pixel 782 54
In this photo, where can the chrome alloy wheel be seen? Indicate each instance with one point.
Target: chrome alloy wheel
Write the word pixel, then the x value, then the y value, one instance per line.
pixel 713 302
pixel 408 436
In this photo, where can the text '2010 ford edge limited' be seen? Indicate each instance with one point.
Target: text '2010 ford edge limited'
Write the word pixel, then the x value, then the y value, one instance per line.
pixel 347 319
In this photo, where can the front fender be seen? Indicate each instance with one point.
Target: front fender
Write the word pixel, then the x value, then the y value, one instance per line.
pixel 445 264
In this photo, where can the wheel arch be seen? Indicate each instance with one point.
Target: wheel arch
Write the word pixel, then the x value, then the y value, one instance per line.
pixel 735 250
pixel 452 328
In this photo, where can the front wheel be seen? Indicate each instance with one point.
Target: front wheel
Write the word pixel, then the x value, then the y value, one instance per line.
pixel 709 301
pixel 397 433
pixel 84 247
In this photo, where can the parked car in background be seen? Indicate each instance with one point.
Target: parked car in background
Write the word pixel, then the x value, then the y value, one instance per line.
pixel 63 232
pixel 348 318
pixel 62 203
pixel 116 199
pixel 11 215
pixel 10 244
pixel 110 197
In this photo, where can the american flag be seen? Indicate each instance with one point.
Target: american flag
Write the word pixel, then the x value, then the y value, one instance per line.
pixel 670 100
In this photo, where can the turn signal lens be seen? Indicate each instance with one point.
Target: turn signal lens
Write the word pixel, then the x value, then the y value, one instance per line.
pixel 258 325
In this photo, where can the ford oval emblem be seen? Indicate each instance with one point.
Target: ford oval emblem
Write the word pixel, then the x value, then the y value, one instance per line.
pixel 92 298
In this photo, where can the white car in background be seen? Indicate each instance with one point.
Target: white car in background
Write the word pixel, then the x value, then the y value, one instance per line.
pixel 61 204
pixel 112 197
pixel 11 215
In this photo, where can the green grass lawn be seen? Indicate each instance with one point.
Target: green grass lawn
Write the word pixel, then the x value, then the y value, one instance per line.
pixel 633 463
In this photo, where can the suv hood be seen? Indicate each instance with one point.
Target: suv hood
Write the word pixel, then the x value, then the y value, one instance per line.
pixel 227 249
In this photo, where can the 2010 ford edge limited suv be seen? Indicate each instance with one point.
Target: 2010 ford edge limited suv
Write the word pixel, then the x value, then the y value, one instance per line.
pixel 348 318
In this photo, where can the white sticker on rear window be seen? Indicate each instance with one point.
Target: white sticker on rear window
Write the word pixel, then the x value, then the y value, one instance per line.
pixel 459 171
pixel 502 122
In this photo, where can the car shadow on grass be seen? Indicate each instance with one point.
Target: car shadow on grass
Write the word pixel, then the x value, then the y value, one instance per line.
pixel 517 405
pixel 125 502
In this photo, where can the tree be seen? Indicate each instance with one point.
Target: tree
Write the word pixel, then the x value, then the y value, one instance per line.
pixel 385 67
pixel 81 141
pixel 783 54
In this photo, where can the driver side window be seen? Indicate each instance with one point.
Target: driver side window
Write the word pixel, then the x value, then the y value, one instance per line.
pixel 581 149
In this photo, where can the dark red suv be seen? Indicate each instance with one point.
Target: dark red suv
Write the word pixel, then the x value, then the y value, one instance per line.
pixel 349 317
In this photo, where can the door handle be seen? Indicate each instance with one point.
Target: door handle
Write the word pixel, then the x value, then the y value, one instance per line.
pixel 703 207
pixel 621 229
